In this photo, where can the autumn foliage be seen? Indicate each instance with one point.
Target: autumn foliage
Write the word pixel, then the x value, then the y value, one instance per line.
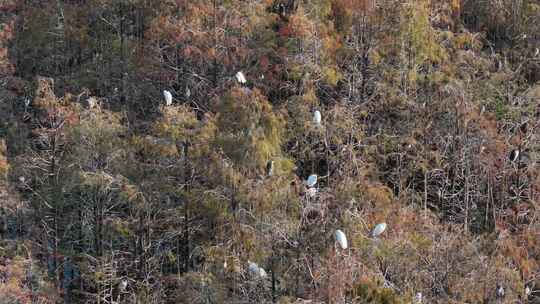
pixel 430 123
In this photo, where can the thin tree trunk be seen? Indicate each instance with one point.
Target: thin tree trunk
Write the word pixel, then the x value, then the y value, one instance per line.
pixel 186 210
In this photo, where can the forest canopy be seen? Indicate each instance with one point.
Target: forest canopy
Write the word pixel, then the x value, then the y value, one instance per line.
pixel 271 151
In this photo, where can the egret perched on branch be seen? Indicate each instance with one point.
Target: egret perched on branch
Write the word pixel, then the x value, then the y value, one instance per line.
pixel 500 291
pixel 418 298
pixel 514 155
pixel 378 230
pixel 270 168
pixel 281 9
pixel 312 180
pixel 341 239
pixel 123 285
pixel 317 118
pixel 262 273
pixel 168 97
pixel 92 102
pixel 255 270
pixel 240 77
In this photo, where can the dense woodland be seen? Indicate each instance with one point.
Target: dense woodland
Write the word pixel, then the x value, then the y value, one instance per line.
pixel 429 122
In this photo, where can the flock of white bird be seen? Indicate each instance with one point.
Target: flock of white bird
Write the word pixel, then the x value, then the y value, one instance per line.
pixel 240 77
pixel 255 270
pixel 341 238
pixel 258 272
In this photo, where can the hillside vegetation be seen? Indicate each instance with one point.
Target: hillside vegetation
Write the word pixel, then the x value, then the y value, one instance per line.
pixel 429 123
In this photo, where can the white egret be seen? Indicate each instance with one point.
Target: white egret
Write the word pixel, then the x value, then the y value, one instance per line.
pixel 500 291
pixel 500 65
pixel 123 285
pixel 240 77
pixel 91 102
pixel 418 298
pixel 255 270
pixel 317 118
pixel 281 9
pixel 270 168
pixel 262 273
pixel 536 52
pixel 341 239
pixel 514 155
pixel 168 97
pixel 378 230
pixel 312 180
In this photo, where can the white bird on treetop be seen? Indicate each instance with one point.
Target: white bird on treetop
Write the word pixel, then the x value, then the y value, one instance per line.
pixel 262 273
pixel 317 118
pixel 514 155
pixel 341 239
pixel 240 77
pixel 500 291
pixel 92 102
pixel 270 168
pixel 418 298
pixel 123 285
pixel 255 270
pixel 312 180
pixel 378 230
pixel 168 97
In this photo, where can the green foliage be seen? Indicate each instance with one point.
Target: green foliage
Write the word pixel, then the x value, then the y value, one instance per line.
pixel 99 130
pixel 250 133
pixel 418 38
pixel 178 124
